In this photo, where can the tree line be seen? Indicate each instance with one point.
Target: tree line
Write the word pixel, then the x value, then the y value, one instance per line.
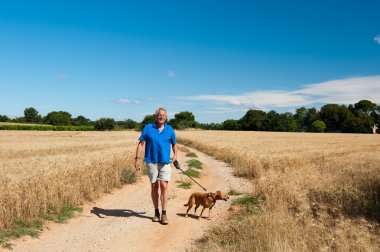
pixel 360 117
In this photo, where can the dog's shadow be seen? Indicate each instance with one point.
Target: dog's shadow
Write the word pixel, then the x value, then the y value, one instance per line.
pixel 192 216
pixel 100 212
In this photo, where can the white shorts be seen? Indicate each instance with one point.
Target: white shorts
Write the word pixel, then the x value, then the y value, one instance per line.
pixel 158 171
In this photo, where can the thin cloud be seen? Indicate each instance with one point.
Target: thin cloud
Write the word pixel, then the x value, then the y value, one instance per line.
pixel 344 91
pixel 171 74
pixel 150 99
pixel 377 39
pixel 127 101
pixel 223 110
pixel 62 75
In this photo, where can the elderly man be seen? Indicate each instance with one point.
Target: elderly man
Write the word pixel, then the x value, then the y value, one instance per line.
pixel 158 138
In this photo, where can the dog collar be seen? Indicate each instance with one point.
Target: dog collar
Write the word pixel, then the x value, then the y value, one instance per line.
pixel 214 200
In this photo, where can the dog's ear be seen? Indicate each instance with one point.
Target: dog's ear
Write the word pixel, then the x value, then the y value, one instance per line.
pixel 218 194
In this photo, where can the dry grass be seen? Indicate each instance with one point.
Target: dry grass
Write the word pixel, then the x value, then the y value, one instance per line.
pixel 44 171
pixel 321 191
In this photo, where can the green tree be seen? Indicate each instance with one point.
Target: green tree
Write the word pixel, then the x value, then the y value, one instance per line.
pixel 104 124
pixel 130 124
pixel 318 126
pixel 312 115
pixel 354 124
pixel 4 118
pixel 148 119
pixel 329 114
pixel 81 121
pixel 271 121
pixel 183 120
pixel 376 116
pixel 253 120
pixel 231 124
pixel 287 122
pixel 301 118
pixel 31 115
pixel 210 126
pixel 19 120
pixel 58 118
pixel 368 112
pixel 365 107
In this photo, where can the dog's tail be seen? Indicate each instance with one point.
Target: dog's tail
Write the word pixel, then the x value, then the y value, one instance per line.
pixel 188 203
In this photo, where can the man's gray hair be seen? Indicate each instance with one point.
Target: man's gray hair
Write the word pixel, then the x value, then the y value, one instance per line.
pixel 159 109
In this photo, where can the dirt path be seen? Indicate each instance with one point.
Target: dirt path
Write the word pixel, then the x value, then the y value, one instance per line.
pixel 122 220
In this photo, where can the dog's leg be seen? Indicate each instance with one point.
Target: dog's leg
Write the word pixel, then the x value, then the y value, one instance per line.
pixel 209 213
pixel 196 207
pixel 190 204
pixel 188 209
pixel 200 216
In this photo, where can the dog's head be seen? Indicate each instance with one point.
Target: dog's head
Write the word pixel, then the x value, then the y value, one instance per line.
pixel 221 196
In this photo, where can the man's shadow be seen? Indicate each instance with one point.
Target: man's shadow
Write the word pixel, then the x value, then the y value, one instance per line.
pixel 117 213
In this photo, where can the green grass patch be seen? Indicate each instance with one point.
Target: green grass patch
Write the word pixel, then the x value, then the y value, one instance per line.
pixel 33 228
pixel 128 176
pixel 184 185
pixel 67 212
pixel 234 192
pixel 191 154
pixel 194 163
pixel 18 229
pixel 23 228
pixel 144 171
pixel 248 201
pixel 193 173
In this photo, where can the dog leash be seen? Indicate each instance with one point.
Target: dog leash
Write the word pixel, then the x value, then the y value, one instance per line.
pixel 176 164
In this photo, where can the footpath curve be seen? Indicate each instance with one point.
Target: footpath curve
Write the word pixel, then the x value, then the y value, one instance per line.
pixel 121 220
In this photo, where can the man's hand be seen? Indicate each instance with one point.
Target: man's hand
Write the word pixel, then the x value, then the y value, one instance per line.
pixel 176 164
pixel 137 164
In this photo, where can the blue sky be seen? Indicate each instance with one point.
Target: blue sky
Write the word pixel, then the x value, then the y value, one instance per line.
pixel 217 59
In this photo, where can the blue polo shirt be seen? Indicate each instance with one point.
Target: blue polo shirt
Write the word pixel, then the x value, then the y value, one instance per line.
pixel 157 145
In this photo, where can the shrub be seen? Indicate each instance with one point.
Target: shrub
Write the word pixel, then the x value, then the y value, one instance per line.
pixel 105 124
pixel 318 126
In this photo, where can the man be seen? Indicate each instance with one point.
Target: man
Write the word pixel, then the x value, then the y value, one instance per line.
pixel 158 137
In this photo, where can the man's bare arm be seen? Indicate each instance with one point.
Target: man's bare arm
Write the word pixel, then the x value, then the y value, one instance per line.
pixel 138 157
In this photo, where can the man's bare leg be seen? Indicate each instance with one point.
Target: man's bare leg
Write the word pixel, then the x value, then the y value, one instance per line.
pixel 154 194
pixel 164 201
pixel 164 194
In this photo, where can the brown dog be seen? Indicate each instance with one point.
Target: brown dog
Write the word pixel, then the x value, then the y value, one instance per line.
pixel 207 200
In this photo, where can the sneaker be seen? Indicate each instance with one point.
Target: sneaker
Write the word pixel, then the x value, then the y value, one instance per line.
pixel 164 219
pixel 156 218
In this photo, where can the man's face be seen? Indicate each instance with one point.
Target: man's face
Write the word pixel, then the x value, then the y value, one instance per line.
pixel 161 116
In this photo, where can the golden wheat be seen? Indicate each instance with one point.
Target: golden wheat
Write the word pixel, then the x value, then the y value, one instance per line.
pixel 43 171
pixel 322 191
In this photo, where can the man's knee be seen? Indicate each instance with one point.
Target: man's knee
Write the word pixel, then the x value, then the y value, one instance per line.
pixel 155 187
pixel 163 185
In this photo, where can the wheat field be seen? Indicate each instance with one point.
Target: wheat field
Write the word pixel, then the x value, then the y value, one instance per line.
pixel 321 192
pixel 44 171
